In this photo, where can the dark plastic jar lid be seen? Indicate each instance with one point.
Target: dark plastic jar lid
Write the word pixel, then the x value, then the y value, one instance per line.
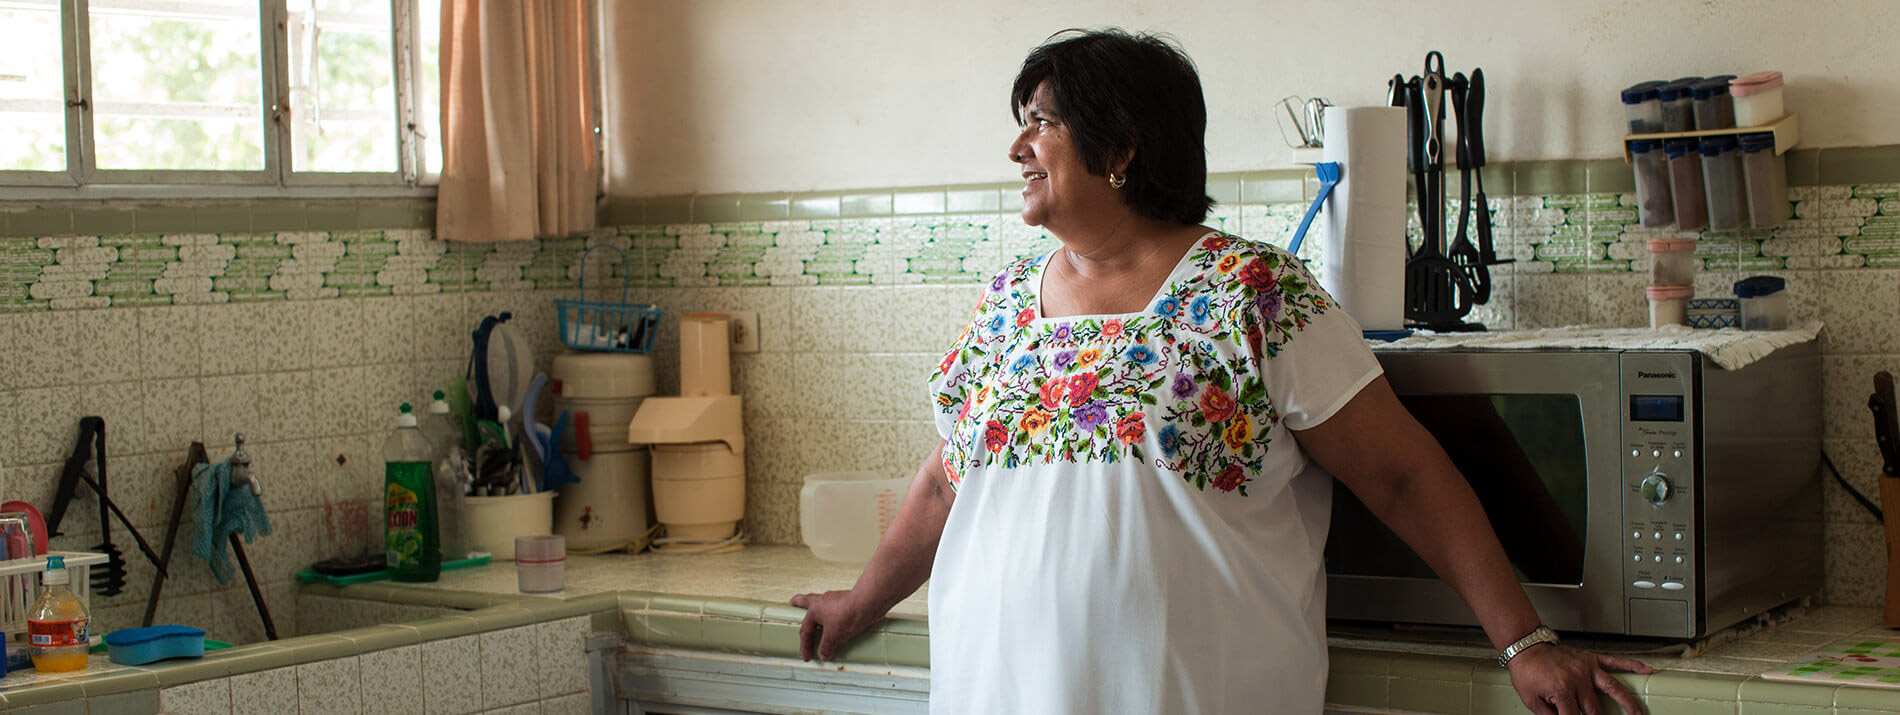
pixel 1642 146
pixel 1678 89
pixel 1758 286
pixel 1756 142
pixel 1710 87
pixel 1678 147
pixel 1716 145
pixel 1641 91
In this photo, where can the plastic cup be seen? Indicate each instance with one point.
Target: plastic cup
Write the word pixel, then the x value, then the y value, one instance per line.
pixel 541 563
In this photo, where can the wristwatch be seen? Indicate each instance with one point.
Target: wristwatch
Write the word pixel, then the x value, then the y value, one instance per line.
pixel 1543 634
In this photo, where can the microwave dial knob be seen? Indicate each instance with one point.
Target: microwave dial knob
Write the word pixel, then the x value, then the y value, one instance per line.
pixel 1656 489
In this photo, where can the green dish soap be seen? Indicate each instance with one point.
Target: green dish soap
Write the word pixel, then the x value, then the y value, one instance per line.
pixel 411 537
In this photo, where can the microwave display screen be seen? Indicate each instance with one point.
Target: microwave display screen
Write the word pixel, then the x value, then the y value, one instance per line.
pixel 1524 457
pixel 1656 408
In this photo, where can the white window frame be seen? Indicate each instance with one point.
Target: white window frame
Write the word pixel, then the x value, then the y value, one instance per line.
pixel 83 180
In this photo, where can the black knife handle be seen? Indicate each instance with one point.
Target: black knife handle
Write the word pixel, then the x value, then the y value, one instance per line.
pixel 1474 110
pixel 1886 433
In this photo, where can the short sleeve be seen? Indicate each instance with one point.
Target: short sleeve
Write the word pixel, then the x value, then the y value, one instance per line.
pixel 951 383
pixel 1315 356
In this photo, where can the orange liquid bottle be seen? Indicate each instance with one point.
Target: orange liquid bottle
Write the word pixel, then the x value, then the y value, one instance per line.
pixel 57 625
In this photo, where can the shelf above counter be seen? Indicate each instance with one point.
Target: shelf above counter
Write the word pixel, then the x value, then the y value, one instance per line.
pixel 1787 131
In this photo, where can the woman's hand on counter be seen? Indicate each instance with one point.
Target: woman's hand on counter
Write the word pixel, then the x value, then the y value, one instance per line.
pixel 1556 679
pixel 832 619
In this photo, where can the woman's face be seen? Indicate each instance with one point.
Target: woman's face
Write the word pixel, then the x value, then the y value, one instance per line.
pixel 1057 189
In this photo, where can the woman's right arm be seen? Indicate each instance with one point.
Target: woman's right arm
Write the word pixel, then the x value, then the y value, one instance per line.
pixel 898 568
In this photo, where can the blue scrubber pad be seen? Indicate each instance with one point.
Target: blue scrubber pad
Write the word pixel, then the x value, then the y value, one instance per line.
pixel 138 646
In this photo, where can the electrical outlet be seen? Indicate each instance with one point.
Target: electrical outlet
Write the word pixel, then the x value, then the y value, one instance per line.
pixel 744 325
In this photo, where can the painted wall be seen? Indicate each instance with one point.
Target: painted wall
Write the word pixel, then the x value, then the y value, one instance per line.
pixel 715 96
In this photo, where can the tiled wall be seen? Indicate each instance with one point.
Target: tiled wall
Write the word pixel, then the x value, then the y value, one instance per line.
pixel 306 339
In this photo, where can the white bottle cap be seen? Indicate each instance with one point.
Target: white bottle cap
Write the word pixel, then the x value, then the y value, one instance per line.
pixel 440 406
pixel 407 418
pixel 56 574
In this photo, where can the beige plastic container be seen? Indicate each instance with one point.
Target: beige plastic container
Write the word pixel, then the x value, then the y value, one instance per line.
pixel 1671 261
pixel 843 515
pixel 1669 305
pixel 494 522
pixel 608 388
pixel 698 489
pixel 609 506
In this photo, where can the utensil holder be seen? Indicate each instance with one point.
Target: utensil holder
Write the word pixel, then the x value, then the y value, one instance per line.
pixel 494 522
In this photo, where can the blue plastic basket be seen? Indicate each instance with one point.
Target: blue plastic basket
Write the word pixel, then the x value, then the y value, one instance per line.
pixel 618 327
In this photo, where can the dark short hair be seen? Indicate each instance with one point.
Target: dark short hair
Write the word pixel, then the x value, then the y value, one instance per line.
pixel 1118 91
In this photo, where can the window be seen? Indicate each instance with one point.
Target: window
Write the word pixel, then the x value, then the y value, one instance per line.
pixel 278 94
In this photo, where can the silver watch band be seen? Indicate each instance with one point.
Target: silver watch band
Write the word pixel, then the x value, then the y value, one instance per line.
pixel 1542 634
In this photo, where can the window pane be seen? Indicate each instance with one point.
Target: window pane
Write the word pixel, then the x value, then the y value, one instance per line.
pixel 177 85
pixel 342 86
pixel 32 103
pixel 429 70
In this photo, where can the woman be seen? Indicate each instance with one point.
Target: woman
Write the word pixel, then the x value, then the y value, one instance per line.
pixel 1140 431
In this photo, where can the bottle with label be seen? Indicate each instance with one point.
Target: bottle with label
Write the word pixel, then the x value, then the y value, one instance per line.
pixel 57 625
pixel 450 461
pixel 411 542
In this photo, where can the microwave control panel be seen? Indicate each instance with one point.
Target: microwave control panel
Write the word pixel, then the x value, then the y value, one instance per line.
pixel 1658 443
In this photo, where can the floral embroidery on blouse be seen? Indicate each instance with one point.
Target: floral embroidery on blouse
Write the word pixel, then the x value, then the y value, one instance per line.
pixel 1178 385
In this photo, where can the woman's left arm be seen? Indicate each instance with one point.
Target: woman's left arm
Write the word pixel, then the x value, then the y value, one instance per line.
pixel 1374 447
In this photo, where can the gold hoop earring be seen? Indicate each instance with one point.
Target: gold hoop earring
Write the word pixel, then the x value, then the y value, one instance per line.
pixel 1117 180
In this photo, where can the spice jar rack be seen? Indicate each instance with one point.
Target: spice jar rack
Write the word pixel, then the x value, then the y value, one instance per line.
pixel 1787 131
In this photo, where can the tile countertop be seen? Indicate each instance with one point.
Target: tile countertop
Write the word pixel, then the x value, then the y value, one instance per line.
pixel 695 601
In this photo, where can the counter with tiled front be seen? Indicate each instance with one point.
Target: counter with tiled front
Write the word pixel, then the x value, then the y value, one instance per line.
pixel 736 604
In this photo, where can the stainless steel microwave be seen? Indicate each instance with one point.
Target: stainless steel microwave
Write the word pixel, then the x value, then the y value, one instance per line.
pixel 1636 492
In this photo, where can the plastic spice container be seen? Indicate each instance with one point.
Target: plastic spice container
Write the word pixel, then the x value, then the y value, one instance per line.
pixel 1677 109
pixel 1764 302
pixel 1685 184
pixel 1714 108
pixel 1669 305
pixel 1766 175
pixel 1757 98
pixel 1722 178
pixel 1652 183
pixel 1671 262
pixel 1641 108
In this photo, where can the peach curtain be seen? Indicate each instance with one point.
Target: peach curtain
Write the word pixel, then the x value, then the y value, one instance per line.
pixel 517 120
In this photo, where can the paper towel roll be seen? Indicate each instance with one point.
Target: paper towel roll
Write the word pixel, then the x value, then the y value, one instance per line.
pixel 1362 239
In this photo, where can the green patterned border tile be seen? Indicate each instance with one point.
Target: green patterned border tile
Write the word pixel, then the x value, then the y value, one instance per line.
pixel 716 209
pixel 54 221
pixel 277 218
pixel 1608 176
pixel 669 210
pixel 169 219
pixel 815 206
pixel 1535 178
pixel 1804 167
pixel 872 204
pixel 1861 165
pixel 771 207
pixel 102 221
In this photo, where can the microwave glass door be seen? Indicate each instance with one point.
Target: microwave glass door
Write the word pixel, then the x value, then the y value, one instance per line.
pixel 1524 457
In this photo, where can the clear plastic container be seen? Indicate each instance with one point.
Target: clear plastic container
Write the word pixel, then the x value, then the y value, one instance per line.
pixel 58 625
pixel 1677 110
pixel 1714 108
pixel 1653 203
pixel 1722 179
pixel 1714 313
pixel 842 515
pixel 1764 302
pixel 1669 305
pixel 1641 109
pixel 1757 98
pixel 450 461
pixel 1766 175
pixel 1685 184
pixel 1671 261
pixel 540 563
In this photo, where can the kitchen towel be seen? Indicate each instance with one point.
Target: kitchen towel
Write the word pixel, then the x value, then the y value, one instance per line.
pixel 1362 241
pixel 224 510
pixel 1729 348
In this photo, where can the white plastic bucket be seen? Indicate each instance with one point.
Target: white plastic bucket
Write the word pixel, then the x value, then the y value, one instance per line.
pixel 494 522
pixel 842 515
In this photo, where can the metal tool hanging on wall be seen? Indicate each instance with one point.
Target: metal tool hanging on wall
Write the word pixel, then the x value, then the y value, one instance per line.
pixel 1444 279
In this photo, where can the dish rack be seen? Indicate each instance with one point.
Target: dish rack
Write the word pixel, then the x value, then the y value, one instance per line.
pixel 21 581
pixel 607 326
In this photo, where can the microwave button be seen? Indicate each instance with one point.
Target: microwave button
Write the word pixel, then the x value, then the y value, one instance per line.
pixel 1636 535
pixel 1678 559
pixel 1637 557
pixel 1644 584
pixel 1678 454
pixel 1672 585
pixel 1678 536
pixel 1659 558
pixel 1657 536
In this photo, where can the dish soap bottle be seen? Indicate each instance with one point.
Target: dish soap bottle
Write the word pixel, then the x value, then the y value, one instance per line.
pixel 412 546
pixel 57 624
pixel 450 461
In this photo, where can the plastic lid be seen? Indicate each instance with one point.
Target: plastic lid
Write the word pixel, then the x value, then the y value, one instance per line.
pixel 1758 286
pixel 1643 146
pixel 1671 292
pixel 1678 147
pixel 1710 87
pixel 55 572
pixel 1754 83
pixel 1752 143
pixel 407 418
pixel 1716 145
pixel 1670 245
pixel 1678 89
pixel 440 405
pixel 1641 91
